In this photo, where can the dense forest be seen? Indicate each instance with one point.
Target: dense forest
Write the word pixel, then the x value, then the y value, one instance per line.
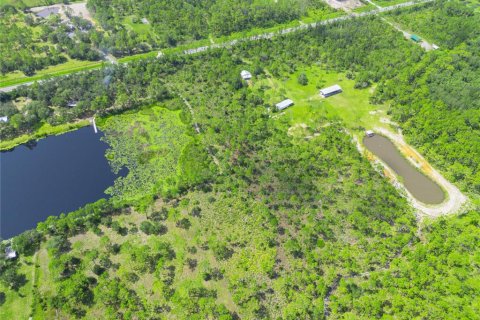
pixel 173 22
pixel 225 215
pixel 438 101
pixel 29 43
pixel 119 88
pixel 443 270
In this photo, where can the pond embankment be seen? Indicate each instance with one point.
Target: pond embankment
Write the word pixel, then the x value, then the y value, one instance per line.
pixel 427 190
pixel 419 185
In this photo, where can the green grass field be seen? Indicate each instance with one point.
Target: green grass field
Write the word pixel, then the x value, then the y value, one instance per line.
pixel 387 3
pixel 364 8
pixel 352 106
pixel 138 26
pixel 17 303
pixel 71 66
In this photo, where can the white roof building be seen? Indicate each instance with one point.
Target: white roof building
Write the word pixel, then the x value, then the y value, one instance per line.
pixel 284 104
pixel 330 91
pixel 46 12
pixel 435 47
pixel 4 119
pixel 10 253
pixel 245 75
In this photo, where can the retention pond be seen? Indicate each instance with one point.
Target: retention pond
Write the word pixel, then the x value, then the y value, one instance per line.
pixel 57 174
pixel 420 186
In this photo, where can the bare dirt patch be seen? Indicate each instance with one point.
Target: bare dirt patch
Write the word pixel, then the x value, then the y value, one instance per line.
pixel 344 4
pixel 78 9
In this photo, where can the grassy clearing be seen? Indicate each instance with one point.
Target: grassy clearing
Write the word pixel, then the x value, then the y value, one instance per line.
pixel 151 143
pixel 352 106
pixel 17 303
pixel 45 130
pixel 71 66
pixel 137 26
pixel 387 3
pixel 364 8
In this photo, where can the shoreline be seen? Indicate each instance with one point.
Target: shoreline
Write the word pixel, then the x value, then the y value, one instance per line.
pixel 44 131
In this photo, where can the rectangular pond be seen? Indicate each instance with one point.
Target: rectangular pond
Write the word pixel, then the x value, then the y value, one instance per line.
pixel 54 175
pixel 420 186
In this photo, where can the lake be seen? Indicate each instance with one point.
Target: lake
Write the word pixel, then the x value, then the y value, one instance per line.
pixel 419 185
pixel 57 174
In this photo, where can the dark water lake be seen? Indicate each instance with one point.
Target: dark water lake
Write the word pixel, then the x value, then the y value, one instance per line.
pixel 419 185
pixel 57 174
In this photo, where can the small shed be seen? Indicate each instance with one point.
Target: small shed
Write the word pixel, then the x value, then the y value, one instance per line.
pixel 4 119
pixel 284 104
pixel 330 91
pixel 246 75
pixel 10 253
pixel 415 38
pixel 369 133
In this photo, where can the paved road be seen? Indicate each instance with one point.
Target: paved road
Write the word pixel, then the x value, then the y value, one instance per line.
pixel 305 26
pixel 270 35
pixel 11 88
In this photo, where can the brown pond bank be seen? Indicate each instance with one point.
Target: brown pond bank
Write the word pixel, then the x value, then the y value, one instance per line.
pixel 420 186
pixel 454 202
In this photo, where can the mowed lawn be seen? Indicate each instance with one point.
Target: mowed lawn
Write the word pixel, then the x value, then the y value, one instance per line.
pixel 352 106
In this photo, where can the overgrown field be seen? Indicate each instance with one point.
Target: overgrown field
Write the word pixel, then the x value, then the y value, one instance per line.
pixel 154 145
pixel 234 247
pixel 257 216
pixel 437 101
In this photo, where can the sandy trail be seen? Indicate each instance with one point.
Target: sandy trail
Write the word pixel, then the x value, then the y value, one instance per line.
pixel 454 200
